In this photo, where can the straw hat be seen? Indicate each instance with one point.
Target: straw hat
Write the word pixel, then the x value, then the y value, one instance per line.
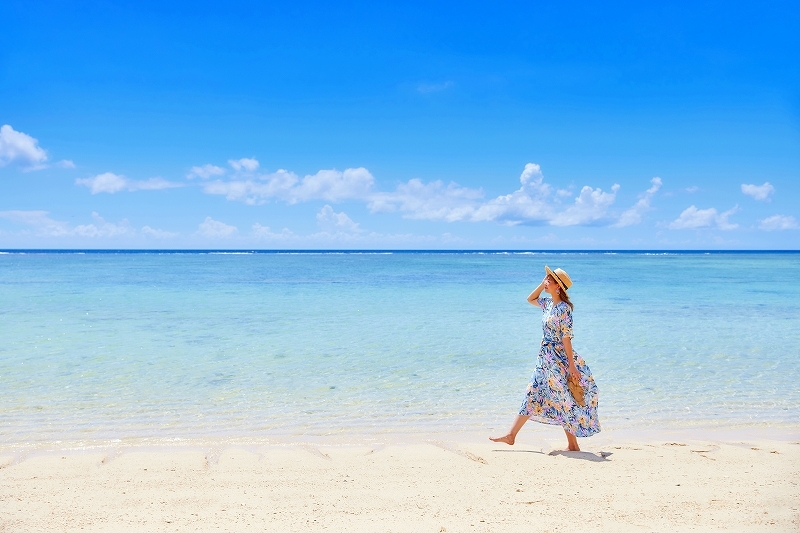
pixel 561 277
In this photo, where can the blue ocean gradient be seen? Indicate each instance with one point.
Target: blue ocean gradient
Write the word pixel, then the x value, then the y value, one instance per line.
pixel 295 345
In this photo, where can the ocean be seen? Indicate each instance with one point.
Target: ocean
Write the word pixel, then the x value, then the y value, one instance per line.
pixel 149 347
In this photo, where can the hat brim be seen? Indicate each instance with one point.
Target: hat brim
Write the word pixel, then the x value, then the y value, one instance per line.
pixel 555 277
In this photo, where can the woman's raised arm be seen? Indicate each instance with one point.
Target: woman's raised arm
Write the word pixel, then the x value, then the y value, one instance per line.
pixel 533 298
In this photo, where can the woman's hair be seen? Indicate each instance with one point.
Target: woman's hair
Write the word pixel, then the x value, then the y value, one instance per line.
pixel 563 295
pixel 565 298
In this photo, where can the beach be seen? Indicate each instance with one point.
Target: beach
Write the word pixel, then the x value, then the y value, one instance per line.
pixel 197 391
pixel 434 486
pixel 305 267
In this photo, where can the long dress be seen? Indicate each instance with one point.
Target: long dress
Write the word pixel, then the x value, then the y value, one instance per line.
pixel 548 399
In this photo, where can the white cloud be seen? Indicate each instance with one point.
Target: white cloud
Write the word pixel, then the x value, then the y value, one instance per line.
pixel 722 219
pixel 693 218
pixel 334 186
pixel 19 147
pixel 331 221
pixel 39 220
pixel 591 205
pixel 432 201
pixel 101 228
pixel 205 172
pixel 263 232
pixel 44 226
pixel 216 229
pixel 532 202
pixel 532 175
pixel 65 163
pixel 111 183
pixel 106 182
pixel 158 233
pixel 452 203
pixel 529 203
pixel 244 165
pixel 759 192
pixel 778 222
pixel 693 188
pixel 329 185
pixel 634 214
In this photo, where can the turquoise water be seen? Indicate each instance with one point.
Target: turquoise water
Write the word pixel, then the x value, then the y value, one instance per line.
pixel 289 346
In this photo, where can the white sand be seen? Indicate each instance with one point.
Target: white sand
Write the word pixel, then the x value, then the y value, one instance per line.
pixel 655 486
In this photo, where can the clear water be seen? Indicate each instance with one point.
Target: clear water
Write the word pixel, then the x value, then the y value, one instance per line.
pixel 285 346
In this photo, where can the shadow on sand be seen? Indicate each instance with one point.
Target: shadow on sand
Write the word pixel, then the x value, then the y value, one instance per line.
pixel 586 456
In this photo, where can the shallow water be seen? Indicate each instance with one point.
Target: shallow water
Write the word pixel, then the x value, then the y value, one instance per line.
pixel 289 346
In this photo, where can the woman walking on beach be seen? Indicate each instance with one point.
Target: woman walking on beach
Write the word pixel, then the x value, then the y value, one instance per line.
pixel 549 398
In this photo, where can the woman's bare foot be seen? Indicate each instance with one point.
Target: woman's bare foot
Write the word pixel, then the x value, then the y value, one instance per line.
pixel 512 433
pixel 572 442
pixel 508 439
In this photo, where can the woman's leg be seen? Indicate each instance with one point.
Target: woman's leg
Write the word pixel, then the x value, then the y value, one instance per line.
pixel 572 442
pixel 512 434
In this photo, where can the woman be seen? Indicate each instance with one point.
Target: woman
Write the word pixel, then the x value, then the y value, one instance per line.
pixel 548 399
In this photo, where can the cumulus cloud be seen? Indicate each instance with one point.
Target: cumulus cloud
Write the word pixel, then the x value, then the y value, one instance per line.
pixel 21 148
pixel 453 203
pixel 216 229
pixel 778 222
pixel 39 220
pixel 263 232
pixel 590 206
pixel 158 233
pixel 529 203
pixel 334 186
pixel 106 182
pixel 205 172
pixel 329 185
pixel 534 202
pixel 111 183
pixel 759 192
pixel 44 226
pixel 634 214
pixel 431 201
pixel 101 228
pixel 693 218
pixel 722 219
pixel 244 165
pixel 333 222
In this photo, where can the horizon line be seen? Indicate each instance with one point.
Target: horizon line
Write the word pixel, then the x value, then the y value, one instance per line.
pixel 394 250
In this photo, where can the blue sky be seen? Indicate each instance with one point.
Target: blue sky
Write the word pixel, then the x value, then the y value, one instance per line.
pixel 524 125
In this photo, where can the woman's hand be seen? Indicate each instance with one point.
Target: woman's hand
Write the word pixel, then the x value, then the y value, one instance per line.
pixel 573 372
pixel 534 296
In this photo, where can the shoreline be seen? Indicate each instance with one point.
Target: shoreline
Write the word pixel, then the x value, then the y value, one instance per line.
pixel 532 434
pixel 446 485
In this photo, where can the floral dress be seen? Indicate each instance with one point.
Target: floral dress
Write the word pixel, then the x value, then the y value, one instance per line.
pixel 548 399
